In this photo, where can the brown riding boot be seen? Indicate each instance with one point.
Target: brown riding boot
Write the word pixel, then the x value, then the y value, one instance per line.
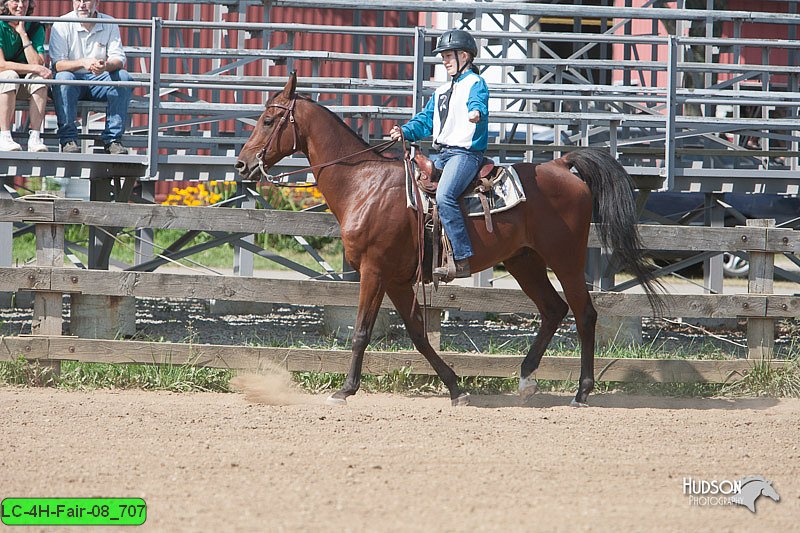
pixel 460 270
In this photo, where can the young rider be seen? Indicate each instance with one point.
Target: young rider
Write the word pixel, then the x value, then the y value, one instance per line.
pixel 457 118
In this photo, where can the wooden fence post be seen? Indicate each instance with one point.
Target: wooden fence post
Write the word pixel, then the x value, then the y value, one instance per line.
pixel 47 306
pixel 761 331
pixel 339 321
pixel 611 330
pixel 243 265
pixel 100 316
pixel 6 245
pixel 433 321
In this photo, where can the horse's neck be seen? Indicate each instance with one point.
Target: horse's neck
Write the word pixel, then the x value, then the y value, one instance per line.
pixel 347 181
pixel 329 149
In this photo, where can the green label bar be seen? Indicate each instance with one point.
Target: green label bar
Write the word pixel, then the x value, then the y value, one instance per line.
pixel 73 511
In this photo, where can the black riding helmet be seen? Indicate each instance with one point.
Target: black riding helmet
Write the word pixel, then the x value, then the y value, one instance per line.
pixel 457 40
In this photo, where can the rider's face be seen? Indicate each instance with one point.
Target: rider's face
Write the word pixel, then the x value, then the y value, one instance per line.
pixel 450 63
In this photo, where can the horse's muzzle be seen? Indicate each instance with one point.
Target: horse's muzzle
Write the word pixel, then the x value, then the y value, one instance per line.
pixel 246 171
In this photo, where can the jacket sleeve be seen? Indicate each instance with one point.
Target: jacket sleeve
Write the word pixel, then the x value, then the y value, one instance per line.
pixel 421 125
pixel 479 99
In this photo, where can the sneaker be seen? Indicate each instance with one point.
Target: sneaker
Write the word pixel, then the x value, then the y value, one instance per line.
pixel 7 144
pixel 35 143
pixel 70 147
pixel 115 148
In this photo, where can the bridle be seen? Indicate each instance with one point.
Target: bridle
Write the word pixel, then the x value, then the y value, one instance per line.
pixel 288 114
pixel 282 179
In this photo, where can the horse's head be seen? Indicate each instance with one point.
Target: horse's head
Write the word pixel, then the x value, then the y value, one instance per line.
pixel 769 491
pixel 752 488
pixel 275 135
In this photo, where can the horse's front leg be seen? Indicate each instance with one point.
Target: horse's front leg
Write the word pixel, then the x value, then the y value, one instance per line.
pixel 403 299
pixel 369 303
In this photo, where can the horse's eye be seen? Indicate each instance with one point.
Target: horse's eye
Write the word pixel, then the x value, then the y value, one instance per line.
pixel 268 121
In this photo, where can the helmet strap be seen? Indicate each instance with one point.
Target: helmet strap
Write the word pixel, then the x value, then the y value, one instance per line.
pixel 459 67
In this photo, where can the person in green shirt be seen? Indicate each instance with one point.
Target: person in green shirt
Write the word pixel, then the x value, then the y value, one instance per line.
pixel 21 56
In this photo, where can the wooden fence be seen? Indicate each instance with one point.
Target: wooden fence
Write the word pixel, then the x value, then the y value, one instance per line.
pixel 49 280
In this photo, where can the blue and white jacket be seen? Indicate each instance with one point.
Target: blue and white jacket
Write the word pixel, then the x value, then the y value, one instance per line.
pixel 469 93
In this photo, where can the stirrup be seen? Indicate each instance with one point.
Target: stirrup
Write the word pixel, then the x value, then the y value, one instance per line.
pixel 453 269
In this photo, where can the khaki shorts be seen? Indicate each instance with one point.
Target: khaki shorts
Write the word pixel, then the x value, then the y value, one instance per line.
pixel 23 90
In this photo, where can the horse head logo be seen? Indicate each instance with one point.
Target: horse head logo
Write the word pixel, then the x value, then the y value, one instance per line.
pixel 752 488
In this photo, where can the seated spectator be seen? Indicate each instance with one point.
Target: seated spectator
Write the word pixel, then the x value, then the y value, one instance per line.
pixel 21 56
pixel 90 50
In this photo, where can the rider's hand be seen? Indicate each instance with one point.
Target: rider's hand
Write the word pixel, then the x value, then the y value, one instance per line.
pixel 474 116
pixel 396 133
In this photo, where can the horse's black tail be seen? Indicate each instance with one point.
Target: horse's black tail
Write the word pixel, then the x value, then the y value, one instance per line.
pixel 615 211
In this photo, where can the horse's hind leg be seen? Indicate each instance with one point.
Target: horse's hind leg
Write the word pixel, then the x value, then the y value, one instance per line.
pixel 577 295
pixel 530 272
pixel 404 301
pixel 369 302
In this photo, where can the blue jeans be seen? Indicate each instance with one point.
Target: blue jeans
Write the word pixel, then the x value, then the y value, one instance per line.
pixel 459 167
pixel 66 97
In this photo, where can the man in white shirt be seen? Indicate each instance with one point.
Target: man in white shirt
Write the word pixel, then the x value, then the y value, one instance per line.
pixel 89 50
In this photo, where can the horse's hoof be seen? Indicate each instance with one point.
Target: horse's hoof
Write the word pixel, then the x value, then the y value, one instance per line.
pixel 333 400
pixel 576 403
pixel 463 399
pixel 527 388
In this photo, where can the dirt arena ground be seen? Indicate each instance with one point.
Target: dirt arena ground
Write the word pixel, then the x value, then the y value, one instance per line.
pixel 272 459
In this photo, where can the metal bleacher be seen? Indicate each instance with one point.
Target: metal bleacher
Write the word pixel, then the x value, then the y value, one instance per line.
pixel 689 113
pixel 577 95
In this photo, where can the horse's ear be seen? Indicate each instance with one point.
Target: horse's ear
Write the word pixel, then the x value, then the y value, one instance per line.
pixel 288 91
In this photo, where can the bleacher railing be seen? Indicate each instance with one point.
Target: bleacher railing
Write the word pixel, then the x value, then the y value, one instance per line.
pixel 733 130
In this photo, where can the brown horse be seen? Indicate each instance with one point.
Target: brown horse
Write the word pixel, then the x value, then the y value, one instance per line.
pixel 366 192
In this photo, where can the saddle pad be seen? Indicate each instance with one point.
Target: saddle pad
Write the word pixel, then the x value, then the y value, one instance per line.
pixel 506 193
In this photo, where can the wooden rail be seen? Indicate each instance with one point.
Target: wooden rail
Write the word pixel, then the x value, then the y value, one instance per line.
pixel 342 293
pixel 252 358
pixel 67 211
pixel 49 280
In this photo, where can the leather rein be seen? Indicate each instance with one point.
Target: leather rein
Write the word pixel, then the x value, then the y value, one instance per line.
pixel 282 179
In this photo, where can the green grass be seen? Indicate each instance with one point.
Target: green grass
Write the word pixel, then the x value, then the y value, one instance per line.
pixel 762 381
pixel 24 249
pixel 399 380
pixel 87 376
pixel 782 383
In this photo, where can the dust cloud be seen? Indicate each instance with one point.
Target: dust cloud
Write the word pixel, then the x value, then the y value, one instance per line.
pixel 272 387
